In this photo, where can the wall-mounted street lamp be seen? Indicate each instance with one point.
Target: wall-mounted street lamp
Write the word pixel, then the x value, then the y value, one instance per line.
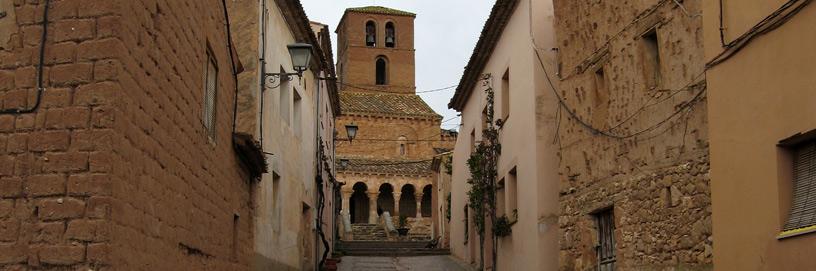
pixel 301 54
pixel 351 131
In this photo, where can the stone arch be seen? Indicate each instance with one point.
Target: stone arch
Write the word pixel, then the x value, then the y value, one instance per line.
pixel 427 202
pixel 371 33
pixel 381 67
pixel 390 35
pixel 407 204
pixel 385 200
pixel 358 204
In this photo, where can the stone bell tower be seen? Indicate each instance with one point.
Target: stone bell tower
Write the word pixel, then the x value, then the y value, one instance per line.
pixel 376 50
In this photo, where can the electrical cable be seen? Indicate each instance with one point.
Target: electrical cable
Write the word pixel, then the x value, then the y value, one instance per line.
pixel 607 133
pixel 234 68
pixel 40 65
pixel 383 91
pixel 776 19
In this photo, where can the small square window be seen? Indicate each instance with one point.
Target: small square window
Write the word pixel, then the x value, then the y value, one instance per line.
pixel 651 59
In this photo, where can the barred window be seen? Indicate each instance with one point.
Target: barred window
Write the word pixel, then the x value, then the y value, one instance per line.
pixel 803 205
pixel 210 95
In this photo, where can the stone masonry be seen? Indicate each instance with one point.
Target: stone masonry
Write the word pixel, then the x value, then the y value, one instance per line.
pixel 631 69
pixel 115 170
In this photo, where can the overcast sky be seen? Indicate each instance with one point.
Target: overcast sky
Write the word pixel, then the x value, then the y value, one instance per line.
pixel 445 33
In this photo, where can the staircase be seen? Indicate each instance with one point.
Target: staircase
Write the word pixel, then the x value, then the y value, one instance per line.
pixel 368 232
pixel 388 248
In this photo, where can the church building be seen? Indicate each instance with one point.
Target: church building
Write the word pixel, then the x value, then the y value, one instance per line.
pixel 387 165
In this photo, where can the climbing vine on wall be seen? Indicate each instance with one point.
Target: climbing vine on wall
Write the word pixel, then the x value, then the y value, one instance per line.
pixel 483 172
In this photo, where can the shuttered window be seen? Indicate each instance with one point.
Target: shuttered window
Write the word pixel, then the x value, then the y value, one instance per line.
pixel 210 95
pixel 803 207
pixel 606 240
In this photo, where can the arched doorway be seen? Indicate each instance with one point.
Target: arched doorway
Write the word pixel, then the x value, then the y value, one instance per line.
pixel 385 201
pixel 427 209
pixel 358 204
pixel 407 204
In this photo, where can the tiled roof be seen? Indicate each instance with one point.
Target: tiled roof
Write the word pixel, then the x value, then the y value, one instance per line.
pixel 385 103
pixel 381 10
pixel 398 167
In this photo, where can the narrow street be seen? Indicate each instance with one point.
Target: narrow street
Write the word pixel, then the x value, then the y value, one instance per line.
pixel 424 263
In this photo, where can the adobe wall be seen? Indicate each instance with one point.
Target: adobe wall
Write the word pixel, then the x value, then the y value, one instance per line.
pixel 115 169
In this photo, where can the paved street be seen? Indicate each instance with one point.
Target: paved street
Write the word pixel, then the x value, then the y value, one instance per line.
pixel 423 263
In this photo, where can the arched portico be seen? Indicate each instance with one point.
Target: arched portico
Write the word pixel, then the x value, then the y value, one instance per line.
pixel 427 208
pixel 385 200
pixel 408 203
pixel 359 204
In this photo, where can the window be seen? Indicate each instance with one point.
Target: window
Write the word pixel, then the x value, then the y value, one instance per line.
pixel 511 189
pixel 505 95
pixel 297 112
pixel 210 95
pixel 651 59
pixel 467 223
pixel 276 205
pixel 472 141
pixel 285 99
pixel 390 35
pixel 501 191
pixel 803 204
pixel 382 71
pixel 402 149
pixel 234 237
pixel 371 34
pixel 600 98
pixel 606 239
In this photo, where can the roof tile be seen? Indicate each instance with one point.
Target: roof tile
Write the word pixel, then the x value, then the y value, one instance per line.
pixel 385 103
pixel 399 167
pixel 381 10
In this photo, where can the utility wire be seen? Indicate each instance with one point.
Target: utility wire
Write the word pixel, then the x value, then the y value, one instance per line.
pixel 383 91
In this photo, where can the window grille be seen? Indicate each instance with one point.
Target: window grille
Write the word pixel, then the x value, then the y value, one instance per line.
pixel 210 95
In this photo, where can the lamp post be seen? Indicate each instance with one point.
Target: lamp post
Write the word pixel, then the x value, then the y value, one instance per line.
pixel 301 54
pixel 351 131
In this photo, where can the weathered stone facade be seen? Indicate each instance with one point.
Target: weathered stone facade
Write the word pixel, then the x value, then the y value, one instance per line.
pixel 114 169
pixel 632 72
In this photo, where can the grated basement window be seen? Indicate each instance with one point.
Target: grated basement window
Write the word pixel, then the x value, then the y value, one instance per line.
pixel 803 207
pixel 210 95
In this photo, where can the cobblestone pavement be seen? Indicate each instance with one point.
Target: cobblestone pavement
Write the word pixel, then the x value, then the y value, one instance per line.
pixel 420 263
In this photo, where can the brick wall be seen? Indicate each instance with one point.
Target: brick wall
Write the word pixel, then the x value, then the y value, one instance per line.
pixel 114 169
pixel 657 182
pixel 356 61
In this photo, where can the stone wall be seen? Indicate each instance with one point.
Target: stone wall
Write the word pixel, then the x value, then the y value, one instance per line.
pixel 653 169
pixel 378 137
pixel 114 169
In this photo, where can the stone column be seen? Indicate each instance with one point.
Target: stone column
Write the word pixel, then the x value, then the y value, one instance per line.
pixel 419 205
pixel 372 207
pixel 396 204
pixel 345 214
pixel 346 197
